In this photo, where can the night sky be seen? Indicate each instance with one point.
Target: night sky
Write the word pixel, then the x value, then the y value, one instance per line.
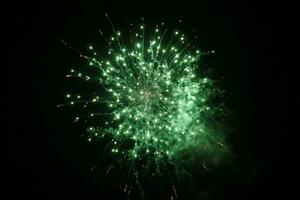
pixel 47 157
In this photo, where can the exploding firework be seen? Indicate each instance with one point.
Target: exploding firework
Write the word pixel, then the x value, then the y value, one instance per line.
pixel 156 104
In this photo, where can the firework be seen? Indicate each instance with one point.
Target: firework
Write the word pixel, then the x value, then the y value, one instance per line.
pixel 156 104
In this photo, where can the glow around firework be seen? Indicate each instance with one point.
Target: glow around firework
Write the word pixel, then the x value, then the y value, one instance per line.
pixel 157 104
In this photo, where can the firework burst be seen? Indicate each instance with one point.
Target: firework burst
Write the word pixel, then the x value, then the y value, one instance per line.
pixel 156 103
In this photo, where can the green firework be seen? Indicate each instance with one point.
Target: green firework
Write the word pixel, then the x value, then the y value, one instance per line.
pixel 157 105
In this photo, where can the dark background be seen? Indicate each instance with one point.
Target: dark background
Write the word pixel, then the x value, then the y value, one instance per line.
pixel 47 158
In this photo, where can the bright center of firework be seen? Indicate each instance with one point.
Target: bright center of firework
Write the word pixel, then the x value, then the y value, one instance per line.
pixel 146 96
pixel 156 102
